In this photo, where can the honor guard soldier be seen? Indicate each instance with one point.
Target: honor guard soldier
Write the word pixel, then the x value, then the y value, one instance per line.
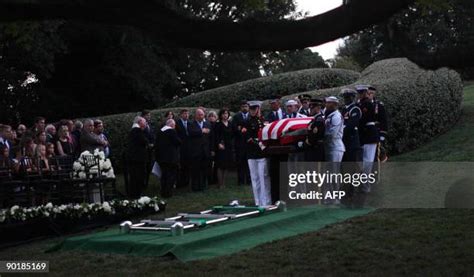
pixel 305 100
pixel 352 115
pixel 258 164
pixel 381 124
pixel 292 110
pixel 314 144
pixel 334 125
pixel 369 134
pixel 333 145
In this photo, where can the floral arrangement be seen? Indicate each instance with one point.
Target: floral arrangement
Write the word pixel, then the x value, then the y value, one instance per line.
pixel 84 210
pixel 82 170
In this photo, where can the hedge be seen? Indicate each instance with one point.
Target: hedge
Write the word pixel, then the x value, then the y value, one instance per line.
pixel 420 103
pixel 266 87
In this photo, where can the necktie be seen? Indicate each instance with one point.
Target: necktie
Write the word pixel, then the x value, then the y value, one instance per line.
pixel 185 123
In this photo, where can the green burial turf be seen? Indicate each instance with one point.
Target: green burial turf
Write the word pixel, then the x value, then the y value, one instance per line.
pixel 390 242
pixel 214 240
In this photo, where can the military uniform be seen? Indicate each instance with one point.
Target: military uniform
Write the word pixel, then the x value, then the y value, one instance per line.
pixel 369 134
pixel 258 164
pixel 333 147
pixel 352 115
pixel 295 115
pixel 253 126
pixel 381 118
pixel 314 145
pixel 304 112
pixel 381 124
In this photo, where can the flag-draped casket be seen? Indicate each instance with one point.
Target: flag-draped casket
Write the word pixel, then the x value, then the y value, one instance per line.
pixel 285 131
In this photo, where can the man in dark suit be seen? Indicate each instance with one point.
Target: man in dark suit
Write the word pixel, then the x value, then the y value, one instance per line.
pixel 150 135
pixel 239 121
pixel 199 150
pixel 277 112
pixel 167 156
pixel 182 131
pixel 89 140
pixel 137 155
pixel 6 136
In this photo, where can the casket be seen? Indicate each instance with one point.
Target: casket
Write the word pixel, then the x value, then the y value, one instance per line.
pixel 285 131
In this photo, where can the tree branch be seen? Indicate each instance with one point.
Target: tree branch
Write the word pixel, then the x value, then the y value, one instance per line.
pixel 166 24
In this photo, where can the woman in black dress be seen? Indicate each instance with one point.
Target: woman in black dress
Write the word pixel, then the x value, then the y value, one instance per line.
pixel 64 144
pixel 224 142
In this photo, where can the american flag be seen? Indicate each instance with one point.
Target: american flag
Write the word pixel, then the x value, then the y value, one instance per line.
pixel 285 131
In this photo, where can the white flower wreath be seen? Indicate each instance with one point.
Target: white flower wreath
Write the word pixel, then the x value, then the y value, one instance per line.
pixel 81 170
pixel 75 211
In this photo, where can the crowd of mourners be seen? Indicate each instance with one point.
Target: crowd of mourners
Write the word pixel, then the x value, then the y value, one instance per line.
pixel 32 150
pixel 199 149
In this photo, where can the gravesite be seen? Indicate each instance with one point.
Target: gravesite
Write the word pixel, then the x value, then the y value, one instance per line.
pixel 237 138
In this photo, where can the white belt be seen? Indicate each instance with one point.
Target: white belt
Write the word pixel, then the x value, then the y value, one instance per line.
pixel 370 124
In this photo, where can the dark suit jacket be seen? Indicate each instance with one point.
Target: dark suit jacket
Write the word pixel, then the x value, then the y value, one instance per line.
pixel 183 136
pixel 238 121
pixel 167 147
pixel 137 146
pixel 198 142
pixel 150 133
pixel 212 136
pixel 181 130
pixel 90 142
pixel 10 146
pixel 272 117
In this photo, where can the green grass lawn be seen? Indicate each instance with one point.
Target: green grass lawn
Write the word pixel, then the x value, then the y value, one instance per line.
pixel 384 243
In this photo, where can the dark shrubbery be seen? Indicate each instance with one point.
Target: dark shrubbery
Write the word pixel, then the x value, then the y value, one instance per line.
pixel 266 87
pixel 420 103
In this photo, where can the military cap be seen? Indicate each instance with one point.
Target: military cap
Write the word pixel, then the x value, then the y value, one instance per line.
pixel 304 97
pixel 254 103
pixel 316 101
pixel 361 88
pixel 332 99
pixel 348 93
pixel 291 102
